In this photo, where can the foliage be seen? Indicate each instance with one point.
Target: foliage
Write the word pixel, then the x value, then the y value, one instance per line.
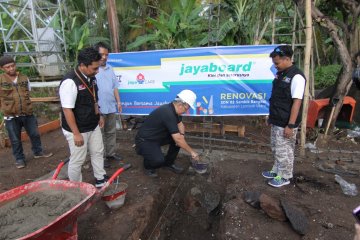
pixel 183 27
pixel 82 31
pixel 326 76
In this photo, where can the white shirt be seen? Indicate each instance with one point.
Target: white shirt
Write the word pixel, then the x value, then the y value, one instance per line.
pixel 297 86
pixel 68 93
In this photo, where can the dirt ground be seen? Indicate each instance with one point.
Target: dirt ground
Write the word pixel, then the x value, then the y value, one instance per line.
pixel 156 208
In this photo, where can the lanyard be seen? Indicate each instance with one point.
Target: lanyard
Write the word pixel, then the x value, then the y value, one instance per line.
pixel 92 92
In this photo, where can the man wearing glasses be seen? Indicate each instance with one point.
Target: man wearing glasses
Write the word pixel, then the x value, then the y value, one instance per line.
pixel 285 115
pixel 164 127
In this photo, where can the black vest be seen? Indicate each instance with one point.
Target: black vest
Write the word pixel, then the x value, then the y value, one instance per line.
pixel 84 110
pixel 281 100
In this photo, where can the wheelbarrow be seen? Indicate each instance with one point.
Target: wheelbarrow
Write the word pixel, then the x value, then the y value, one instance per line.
pixel 64 227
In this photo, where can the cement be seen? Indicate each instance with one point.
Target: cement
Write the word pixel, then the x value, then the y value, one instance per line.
pixel 34 211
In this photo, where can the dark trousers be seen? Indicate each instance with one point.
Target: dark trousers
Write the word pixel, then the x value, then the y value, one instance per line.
pixel 14 126
pixel 153 156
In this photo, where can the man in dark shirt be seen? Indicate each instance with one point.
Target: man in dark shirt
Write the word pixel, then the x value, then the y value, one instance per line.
pixel 164 127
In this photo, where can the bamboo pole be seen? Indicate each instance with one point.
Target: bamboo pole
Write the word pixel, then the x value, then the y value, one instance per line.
pixel 273 27
pixel 113 24
pixel 308 34
pixel 293 40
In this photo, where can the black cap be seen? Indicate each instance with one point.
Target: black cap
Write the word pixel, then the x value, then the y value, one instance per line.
pixel 282 51
pixel 6 60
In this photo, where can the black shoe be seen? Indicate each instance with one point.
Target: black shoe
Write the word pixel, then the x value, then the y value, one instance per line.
pixel 20 164
pixel 151 173
pixel 106 163
pixel 115 157
pixel 101 183
pixel 175 169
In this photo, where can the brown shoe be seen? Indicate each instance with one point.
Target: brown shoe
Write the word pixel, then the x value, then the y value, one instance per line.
pixel 43 155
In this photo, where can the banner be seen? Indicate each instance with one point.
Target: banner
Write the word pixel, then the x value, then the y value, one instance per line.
pixel 232 80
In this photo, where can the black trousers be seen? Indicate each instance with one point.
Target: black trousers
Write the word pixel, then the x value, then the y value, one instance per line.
pixel 153 156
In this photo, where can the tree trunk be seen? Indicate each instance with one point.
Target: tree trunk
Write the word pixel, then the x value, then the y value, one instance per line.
pixel 113 24
pixel 343 82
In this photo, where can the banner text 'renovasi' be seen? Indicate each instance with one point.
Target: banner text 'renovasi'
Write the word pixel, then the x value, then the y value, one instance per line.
pixel 231 96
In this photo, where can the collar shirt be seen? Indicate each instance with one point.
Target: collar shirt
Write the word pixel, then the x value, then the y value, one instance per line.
pixel 107 82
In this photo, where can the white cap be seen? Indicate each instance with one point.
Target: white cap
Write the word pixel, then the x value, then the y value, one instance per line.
pixel 188 97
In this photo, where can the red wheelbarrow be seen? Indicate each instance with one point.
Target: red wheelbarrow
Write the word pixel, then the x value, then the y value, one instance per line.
pixel 63 227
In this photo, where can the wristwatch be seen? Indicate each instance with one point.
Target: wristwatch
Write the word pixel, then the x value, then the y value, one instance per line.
pixel 291 125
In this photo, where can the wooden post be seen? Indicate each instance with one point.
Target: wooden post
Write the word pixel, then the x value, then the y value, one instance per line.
pixel 308 34
pixel 113 24
pixel 273 27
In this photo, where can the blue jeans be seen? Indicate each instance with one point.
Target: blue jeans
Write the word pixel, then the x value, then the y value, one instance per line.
pixel 14 126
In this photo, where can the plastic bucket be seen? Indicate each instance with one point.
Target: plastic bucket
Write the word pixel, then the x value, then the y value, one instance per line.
pixel 199 166
pixel 114 196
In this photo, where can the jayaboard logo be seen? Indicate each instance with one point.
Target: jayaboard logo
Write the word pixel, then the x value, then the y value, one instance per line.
pixel 213 68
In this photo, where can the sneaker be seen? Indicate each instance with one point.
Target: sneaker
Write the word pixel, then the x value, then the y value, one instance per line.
pixel 269 174
pixel 20 164
pixel 115 157
pixel 278 182
pixel 43 155
pixel 101 183
pixel 151 173
pixel 175 169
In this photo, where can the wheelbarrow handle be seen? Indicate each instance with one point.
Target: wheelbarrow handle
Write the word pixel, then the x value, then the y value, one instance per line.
pixel 58 168
pixel 112 178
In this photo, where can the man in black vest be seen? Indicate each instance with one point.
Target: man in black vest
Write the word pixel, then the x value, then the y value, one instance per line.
pixel 81 120
pixel 285 115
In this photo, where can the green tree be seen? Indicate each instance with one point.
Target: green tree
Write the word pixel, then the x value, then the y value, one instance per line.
pixel 183 27
pixel 82 30
pixel 340 18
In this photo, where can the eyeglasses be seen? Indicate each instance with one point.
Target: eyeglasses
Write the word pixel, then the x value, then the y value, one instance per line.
pixel 186 106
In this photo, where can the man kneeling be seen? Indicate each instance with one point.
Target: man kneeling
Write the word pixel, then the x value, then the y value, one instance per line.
pixel 164 127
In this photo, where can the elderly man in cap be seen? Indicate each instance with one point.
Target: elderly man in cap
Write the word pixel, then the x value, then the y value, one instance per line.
pixel 164 127
pixel 17 109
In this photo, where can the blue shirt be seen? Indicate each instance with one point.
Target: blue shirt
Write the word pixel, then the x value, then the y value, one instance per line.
pixel 107 82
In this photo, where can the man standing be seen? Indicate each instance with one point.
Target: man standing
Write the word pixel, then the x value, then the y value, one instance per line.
pixel 80 117
pixel 164 127
pixel 109 103
pixel 285 115
pixel 17 109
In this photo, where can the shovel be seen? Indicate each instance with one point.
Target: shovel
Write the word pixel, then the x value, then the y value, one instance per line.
pixel 321 140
